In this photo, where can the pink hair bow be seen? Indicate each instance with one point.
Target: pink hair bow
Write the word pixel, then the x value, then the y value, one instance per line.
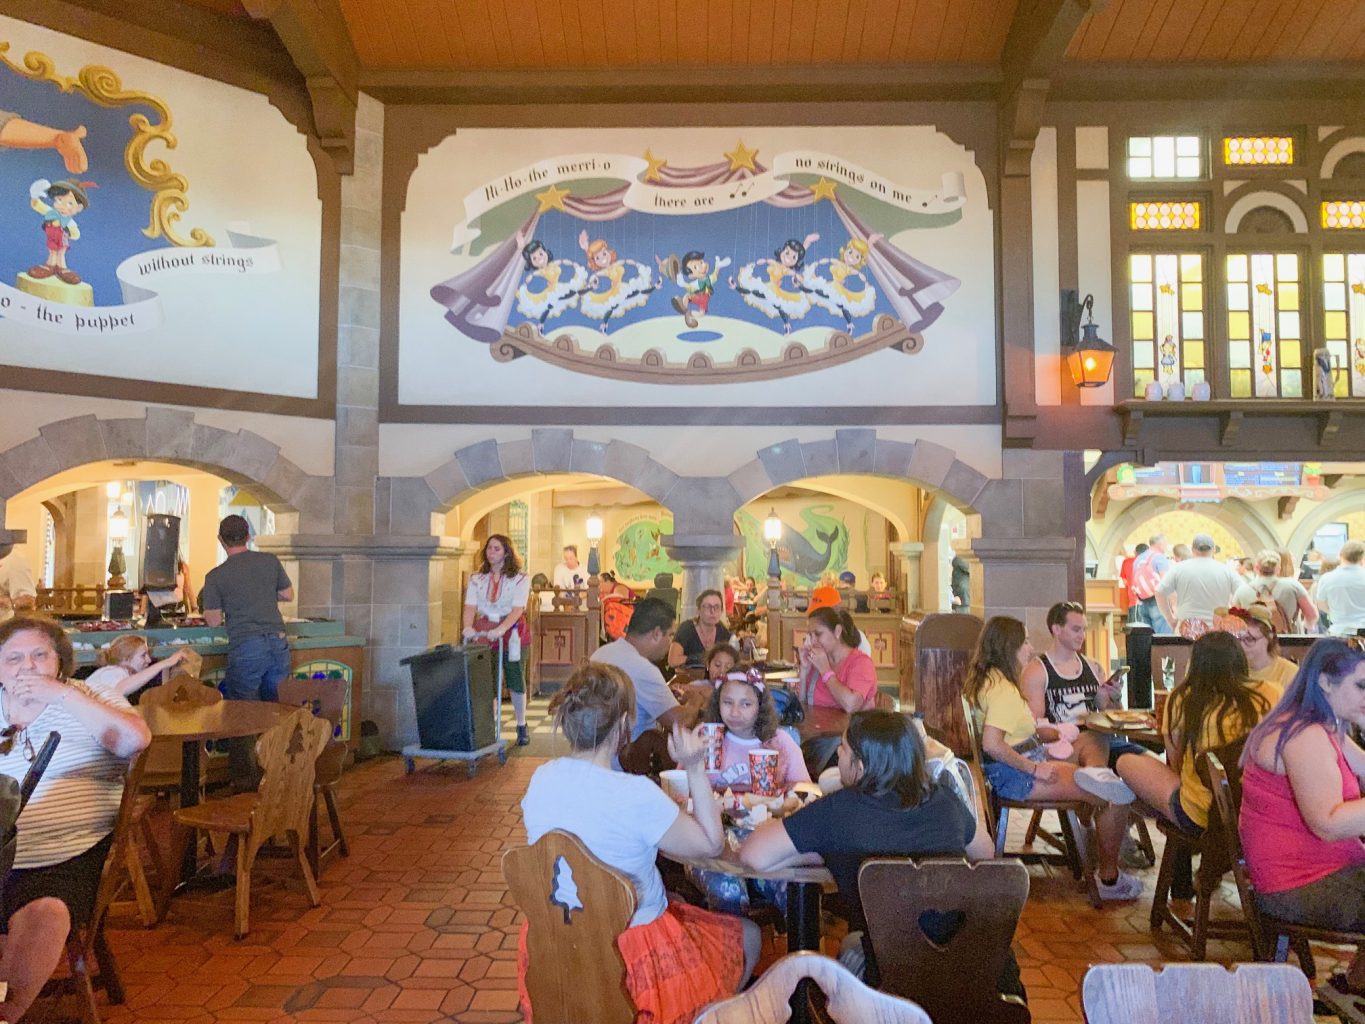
pixel 753 677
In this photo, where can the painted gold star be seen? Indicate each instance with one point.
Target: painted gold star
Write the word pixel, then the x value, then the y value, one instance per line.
pixel 742 158
pixel 823 189
pixel 1264 289
pixel 551 199
pixel 1166 289
pixel 1358 288
pixel 655 164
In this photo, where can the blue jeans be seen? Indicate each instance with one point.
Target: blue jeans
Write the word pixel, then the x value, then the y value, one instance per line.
pixel 255 667
pixel 1148 612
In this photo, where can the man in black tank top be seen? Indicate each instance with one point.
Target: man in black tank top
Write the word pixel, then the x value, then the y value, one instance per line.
pixel 1063 685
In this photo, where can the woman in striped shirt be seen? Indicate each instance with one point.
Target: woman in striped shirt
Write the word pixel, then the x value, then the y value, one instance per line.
pixel 66 829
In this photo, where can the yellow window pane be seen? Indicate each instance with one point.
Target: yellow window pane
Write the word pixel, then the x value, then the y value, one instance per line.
pixel 1290 353
pixel 1241 383
pixel 1336 324
pixel 1289 296
pixel 1239 324
pixel 1287 266
pixel 1192 267
pixel 1144 325
pixel 1140 382
pixel 1139 267
pixel 1194 355
pixel 1334 266
pixel 1192 296
pixel 1237 267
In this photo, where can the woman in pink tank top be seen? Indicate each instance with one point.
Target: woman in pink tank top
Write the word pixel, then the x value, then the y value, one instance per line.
pixel 1302 815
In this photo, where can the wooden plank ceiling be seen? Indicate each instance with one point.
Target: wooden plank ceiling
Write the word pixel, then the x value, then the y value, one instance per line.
pixel 1231 31
pixel 394 35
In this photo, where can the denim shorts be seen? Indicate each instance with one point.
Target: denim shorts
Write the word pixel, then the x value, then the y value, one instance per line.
pixel 1335 901
pixel 1009 782
pixel 1187 825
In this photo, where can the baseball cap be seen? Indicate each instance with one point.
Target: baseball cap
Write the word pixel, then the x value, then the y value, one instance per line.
pixel 847 577
pixel 1202 542
pixel 824 597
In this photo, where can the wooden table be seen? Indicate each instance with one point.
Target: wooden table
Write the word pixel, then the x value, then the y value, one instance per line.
pixel 194 726
pixel 1100 722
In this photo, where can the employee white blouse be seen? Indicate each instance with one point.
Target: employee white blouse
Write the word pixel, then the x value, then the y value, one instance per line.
pixel 494 596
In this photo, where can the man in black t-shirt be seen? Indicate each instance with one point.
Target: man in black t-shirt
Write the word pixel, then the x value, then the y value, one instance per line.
pixel 244 594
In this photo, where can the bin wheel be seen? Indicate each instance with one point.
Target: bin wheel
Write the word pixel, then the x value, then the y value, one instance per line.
pixel 409 765
pixel 472 767
pixel 502 757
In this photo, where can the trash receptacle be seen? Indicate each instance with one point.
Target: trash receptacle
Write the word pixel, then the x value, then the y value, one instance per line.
pixel 454 690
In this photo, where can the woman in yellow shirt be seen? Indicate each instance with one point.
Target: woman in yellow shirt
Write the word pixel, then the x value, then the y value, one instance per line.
pixel 1016 763
pixel 1216 704
pixel 1254 629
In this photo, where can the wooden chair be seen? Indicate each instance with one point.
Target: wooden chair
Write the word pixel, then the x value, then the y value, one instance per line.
pixel 1212 850
pixel 287 754
pixel 326 698
pixel 941 932
pixel 164 756
pixel 1271 938
pixel 1073 844
pixel 1196 994
pixel 86 944
pixel 575 907
pixel 849 1000
pixel 943 647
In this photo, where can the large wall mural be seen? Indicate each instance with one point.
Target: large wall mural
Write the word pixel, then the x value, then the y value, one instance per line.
pixel 819 544
pixel 113 243
pixel 693 257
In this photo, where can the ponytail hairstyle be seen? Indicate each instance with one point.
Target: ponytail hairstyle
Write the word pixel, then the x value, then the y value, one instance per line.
pixel 839 622
pixel 593 704
pixel 996 649
pixel 122 651
pixel 746 674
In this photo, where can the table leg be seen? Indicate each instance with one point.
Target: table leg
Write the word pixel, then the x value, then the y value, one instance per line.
pixel 803 916
pixel 189 796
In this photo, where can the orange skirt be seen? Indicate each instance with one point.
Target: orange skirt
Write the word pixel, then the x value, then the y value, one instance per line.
pixel 685 958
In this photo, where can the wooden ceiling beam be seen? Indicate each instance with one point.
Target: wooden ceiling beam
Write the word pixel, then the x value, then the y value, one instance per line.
pixel 871 83
pixel 319 43
pixel 1075 81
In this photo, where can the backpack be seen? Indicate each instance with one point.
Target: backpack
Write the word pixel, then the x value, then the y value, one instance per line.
pixel 1265 597
pixel 1145 577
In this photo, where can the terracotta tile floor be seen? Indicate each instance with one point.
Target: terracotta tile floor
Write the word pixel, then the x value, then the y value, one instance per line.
pixel 415 926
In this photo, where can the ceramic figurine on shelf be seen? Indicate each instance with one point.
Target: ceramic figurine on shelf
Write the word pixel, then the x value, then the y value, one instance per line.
pixel 1200 391
pixel 1154 392
pixel 1175 391
pixel 1324 374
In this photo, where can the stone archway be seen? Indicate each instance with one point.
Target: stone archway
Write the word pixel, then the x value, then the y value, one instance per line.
pixel 1239 518
pixel 167 435
pixel 1352 500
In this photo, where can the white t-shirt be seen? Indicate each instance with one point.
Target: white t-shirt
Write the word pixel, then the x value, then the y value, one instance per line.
pixel 1200 585
pixel 620 819
pixel 107 677
pixel 652 695
pixel 16 578
pixel 1343 592
pixel 571 579
pixel 76 803
pixel 495 596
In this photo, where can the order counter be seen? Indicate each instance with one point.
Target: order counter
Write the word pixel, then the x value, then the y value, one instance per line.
pixel 318 649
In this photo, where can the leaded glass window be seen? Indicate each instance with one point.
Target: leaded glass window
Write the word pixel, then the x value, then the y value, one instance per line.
pixel 1265 356
pixel 1343 303
pixel 1168 326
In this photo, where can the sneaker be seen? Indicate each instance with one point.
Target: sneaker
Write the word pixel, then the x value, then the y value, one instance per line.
pixel 523 737
pixel 1103 783
pixel 1125 887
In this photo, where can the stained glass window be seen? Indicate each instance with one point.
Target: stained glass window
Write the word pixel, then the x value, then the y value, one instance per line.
pixel 1343 303
pixel 1165 156
pixel 1164 215
pixel 1343 214
pixel 1265 357
pixel 1258 150
pixel 1167 303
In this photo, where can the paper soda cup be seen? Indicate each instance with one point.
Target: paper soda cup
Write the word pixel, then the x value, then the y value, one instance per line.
pixel 674 781
pixel 763 778
pixel 714 734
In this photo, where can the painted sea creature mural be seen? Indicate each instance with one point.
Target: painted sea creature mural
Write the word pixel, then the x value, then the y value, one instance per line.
pixel 819 546
pixel 640 552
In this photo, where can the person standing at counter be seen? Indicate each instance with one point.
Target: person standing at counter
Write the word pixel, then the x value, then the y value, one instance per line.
pixel 244 594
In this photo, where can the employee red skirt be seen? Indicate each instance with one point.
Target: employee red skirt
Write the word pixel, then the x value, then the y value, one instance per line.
pixel 682 960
